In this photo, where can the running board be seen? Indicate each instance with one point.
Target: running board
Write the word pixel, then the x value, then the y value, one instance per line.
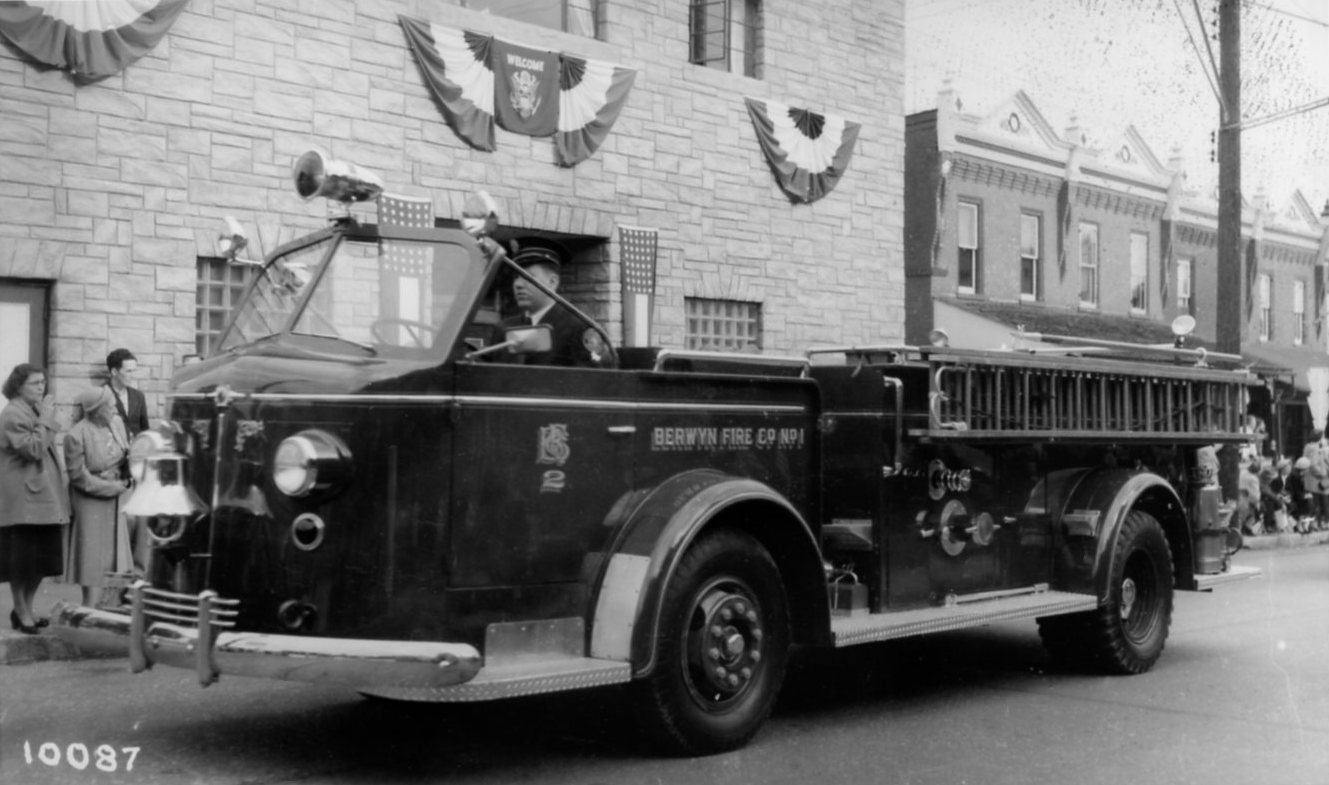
pixel 1234 573
pixel 853 630
pixel 533 675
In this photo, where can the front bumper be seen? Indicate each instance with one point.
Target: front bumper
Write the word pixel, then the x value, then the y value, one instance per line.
pixel 202 642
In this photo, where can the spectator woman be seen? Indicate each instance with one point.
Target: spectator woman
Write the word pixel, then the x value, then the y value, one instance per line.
pixel 96 455
pixel 34 504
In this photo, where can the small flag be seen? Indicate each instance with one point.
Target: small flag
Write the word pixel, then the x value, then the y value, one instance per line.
pixel 638 248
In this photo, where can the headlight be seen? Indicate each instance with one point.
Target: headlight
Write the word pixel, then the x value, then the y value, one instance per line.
pixel 310 461
pixel 145 445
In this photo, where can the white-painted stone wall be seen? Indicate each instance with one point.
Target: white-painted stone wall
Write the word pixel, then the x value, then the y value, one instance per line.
pixel 112 190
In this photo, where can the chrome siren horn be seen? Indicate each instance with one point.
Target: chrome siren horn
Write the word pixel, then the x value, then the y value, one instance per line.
pixel 316 175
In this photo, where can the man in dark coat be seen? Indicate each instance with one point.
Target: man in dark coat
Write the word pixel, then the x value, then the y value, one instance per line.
pixel 575 343
pixel 129 402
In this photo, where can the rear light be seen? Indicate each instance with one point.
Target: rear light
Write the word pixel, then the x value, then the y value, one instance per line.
pixel 310 461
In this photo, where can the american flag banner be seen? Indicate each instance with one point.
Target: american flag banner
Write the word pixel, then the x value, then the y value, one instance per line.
pixel 404 286
pixel 638 248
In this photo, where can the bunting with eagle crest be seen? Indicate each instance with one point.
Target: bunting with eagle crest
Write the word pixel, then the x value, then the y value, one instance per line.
pixel 808 152
pixel 480 81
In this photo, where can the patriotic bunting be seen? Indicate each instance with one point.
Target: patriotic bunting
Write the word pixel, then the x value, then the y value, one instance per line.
pixel 91 39
pixel 808 152
pixel 480 80
pixel 591 94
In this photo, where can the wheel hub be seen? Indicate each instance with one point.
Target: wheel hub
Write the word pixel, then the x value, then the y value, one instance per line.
pixel 727 649
pixel 1128 594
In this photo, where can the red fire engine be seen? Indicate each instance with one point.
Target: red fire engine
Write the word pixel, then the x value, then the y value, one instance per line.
pixel 351 489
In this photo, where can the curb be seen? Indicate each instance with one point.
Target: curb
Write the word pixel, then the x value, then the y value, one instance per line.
pixel 1279 541
pixel 19 649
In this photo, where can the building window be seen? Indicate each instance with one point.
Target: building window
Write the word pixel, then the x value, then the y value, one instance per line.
pixel 570 16
pixel 1298 312
pixel 1089 264
pixel 1139 273
pixel 1184 285
pixel 726 34
pixel 1266 308
pixel 970 271
pixel 1031 247
pixel 220 286
pixel 723 325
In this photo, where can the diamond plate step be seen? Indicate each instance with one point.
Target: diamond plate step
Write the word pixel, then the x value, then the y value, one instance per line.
pixel 519 676
pixel 853 630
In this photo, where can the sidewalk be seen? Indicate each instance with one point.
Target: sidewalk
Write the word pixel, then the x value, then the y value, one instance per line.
pixel 1271 541
pixel 17 648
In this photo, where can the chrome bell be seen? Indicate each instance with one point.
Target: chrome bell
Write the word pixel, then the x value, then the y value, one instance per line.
pixel 162 497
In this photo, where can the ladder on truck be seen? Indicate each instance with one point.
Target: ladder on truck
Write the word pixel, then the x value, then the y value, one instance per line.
pixel 1098 397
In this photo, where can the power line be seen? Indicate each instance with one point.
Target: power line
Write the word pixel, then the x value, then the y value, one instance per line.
pixel 1285 12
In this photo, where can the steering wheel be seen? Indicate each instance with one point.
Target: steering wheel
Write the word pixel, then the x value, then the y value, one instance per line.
pixel 417 331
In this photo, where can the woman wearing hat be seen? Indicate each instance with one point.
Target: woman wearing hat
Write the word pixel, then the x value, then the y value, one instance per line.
pixel 96 454
pixel 34 506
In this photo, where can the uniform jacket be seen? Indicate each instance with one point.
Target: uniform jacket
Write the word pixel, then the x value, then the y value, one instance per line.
pixel 136 417
pixel 32 489
pixel 570 341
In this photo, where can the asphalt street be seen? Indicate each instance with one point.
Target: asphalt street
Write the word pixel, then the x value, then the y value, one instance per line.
pixel 1240 696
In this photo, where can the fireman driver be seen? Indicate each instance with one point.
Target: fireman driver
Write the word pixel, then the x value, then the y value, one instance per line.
pixel 575 343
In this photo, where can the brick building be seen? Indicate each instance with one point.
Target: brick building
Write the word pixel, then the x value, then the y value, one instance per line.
pixel 112 194
pixel 1011 224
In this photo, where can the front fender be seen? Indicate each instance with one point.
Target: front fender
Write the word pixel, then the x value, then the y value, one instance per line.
pixel 658 530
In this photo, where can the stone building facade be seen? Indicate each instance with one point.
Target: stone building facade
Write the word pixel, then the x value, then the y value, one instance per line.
pixel 112 194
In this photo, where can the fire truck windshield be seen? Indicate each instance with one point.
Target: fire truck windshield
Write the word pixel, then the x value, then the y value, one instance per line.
pixel 399 298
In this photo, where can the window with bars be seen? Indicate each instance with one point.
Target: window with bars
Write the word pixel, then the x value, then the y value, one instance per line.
pixel 1089 264
pixel 1031 246
pixel 1298 312
pixel 969 270
pixel 571 16
pixel 1139 273
pixel 723 325
pixel 726 34
pixel 220 286
pixel 1184 285
pixel 1264 298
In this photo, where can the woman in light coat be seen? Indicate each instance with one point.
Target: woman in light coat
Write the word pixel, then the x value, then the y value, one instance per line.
pixel 34 504
pixel 96 454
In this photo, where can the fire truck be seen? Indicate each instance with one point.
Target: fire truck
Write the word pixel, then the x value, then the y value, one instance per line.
pixel 362 486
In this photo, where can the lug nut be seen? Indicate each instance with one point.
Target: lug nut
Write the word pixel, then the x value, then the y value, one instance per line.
pixel 755 655
pixel 752 616
pixel 713 653
pixel 733 680
pixel 720 673
pixel 740 607
pixel 726 614
pixel 716 630
pixel 746 673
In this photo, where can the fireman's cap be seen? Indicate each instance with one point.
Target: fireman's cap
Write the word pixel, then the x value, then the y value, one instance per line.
pixel 539 250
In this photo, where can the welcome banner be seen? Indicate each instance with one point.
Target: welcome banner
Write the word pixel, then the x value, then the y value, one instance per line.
pixel 481 80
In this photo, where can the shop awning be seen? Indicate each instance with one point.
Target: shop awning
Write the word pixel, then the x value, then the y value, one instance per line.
pixel 1286 362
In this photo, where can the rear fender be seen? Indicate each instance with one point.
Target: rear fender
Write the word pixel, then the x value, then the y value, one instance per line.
pixel 657 532
pixel 1111 493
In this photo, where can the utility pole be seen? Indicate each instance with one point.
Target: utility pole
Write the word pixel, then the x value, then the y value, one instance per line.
pixel 1232 311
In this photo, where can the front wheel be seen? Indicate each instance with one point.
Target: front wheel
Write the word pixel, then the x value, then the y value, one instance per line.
pixel 722 647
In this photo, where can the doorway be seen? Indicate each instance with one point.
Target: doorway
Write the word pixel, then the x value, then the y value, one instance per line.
pixel 24 310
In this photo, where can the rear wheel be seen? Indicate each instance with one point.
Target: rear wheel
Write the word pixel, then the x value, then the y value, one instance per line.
pixel 722 647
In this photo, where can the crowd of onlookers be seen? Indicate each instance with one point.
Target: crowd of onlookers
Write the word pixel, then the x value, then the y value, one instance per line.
pixel 1282 495
pixel 62 493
